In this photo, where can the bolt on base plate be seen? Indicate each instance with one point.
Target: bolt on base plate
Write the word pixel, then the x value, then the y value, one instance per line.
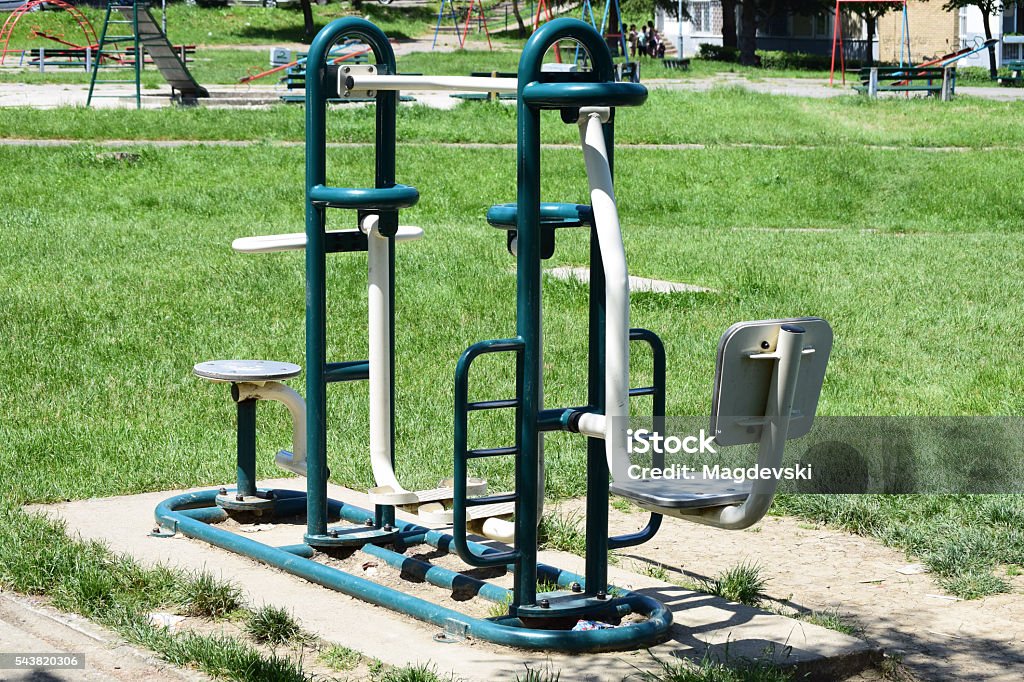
pixel 353 536
pixel 260 502
pixel 565 604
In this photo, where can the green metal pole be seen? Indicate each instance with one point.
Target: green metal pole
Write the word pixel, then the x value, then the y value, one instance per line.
pixel 317 92
pixel 98 56
pixel 529 316
pixel 246 447
pixel 597 466
pixel 138 54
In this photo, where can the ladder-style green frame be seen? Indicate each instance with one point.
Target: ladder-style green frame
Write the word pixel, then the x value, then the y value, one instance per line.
pixel 106 39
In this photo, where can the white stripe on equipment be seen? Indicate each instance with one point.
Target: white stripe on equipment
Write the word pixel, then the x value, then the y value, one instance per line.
pixel 374 82
pixel 616 292
pixel 271 243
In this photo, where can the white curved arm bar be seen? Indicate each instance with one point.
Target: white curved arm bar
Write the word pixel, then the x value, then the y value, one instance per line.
pixel 376 81
pixel 379 305
pixel 613 256
pixel 294 461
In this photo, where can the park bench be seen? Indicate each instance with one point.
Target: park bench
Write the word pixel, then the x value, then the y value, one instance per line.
pixel 680 64
pixel 1016 77
pixel 932 80
pixel 481 96
pixel 627 72
pixel 81 57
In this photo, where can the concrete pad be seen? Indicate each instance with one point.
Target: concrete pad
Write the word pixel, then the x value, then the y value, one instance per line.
pixel 703 624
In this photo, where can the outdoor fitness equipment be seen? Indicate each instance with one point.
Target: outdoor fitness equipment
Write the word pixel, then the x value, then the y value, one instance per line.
pixel 767 380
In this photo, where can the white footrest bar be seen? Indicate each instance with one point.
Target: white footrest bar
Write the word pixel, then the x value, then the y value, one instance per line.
pixel 272 243
pixel 436 514
pixel 386 495
pixel 490 511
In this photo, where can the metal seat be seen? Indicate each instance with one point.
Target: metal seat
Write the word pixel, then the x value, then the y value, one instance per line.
pixel 699 493
pixel 768 377
pixel 246 371
pixel 252 381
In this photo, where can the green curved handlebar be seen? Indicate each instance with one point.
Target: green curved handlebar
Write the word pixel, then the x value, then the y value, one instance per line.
pixel 551 215
pixel 374 198
pixel 559 95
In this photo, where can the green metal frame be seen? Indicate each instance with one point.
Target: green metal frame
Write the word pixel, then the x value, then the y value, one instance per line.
pixel 106 39
pixel 534 224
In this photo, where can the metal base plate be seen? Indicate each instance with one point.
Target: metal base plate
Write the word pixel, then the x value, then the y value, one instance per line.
pixel 261 501
pixel 565 604
pixel 352 536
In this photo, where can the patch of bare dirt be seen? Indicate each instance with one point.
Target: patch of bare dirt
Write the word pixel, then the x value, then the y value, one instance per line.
pixel 934 636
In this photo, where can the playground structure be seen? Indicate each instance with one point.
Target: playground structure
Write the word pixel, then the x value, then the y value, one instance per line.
pixel 139 29
pixel 587 15
pixel 88 32
pixel 837 36
pixel 475 11
pixel 767 380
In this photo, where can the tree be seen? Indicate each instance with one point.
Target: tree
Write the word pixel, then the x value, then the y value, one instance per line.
pixel 729 24
pixel 752 12
pixel 988 9
pixel 871 12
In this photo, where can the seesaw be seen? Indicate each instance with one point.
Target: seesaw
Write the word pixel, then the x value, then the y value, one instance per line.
pixel 768 377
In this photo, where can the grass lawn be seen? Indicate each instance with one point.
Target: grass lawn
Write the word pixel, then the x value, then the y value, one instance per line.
pixel 130 280
pixel 724 116
pixel 852 210
pixel 193 25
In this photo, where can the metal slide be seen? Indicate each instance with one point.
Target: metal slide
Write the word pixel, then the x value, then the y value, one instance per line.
pixel 164 57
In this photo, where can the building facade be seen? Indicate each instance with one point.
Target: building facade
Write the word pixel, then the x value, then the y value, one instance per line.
pixel 934 32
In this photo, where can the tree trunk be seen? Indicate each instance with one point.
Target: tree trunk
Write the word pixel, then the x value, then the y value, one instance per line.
pixel 729 23
pixel 748 33
pixel 519 18
pixel 871 20
pixel 614 26
pixel 307 18
pixel 991 48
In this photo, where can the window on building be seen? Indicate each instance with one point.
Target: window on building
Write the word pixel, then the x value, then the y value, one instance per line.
pixel 823 24
pixel 1013 19
pixel 700 16
pixel 803 27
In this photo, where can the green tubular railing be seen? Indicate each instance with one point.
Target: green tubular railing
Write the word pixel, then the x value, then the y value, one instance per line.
pixel 384 199
pixel 537 91
pixel 460 499
pixel 657 392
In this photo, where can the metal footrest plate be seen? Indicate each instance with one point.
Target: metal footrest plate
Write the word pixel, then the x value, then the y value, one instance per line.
pixel 262 501
pixel 565 604
pixel 352 536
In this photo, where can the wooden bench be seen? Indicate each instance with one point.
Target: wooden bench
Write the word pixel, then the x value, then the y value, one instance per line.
pixel 485 96
pixel 676 63
pixel 81 57
pixel 1016 77
pixel 627 72
pixel 932 80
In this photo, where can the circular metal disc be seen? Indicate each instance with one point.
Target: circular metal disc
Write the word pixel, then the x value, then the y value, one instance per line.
pixel 246 370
